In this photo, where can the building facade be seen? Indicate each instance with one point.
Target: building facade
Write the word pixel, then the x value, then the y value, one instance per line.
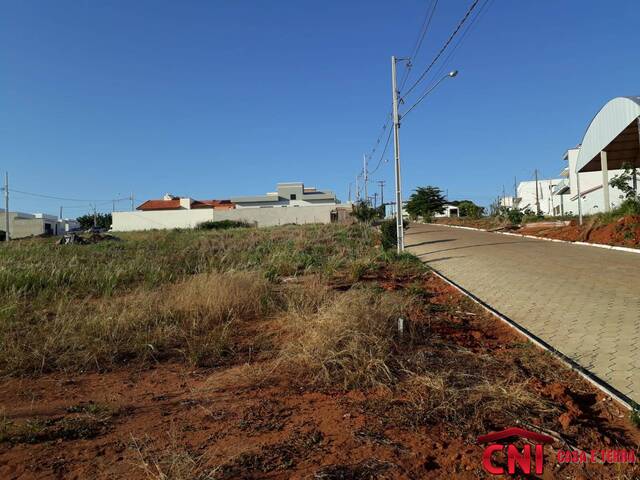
pixel 23 225
pixel 293 194
pixel 291 204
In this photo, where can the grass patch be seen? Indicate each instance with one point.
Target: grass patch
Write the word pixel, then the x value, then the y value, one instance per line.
pixel 349 342
pixel 192 319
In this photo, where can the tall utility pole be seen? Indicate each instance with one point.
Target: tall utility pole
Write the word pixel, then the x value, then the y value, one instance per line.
pixel 366 180
pixel 131 198
pixel 60 212
pixel 381 183
pixel 357 189
pixel 537 197
pixel 396 150
pixel 375 199
pixel 7 234
pixel 349 192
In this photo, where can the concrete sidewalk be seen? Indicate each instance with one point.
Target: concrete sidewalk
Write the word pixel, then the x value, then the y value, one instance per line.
pixel 584 301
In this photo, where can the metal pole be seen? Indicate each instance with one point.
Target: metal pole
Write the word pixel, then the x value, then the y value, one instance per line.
pixel 60 212
pixel 132 202
pixel 7 234
pixel 366 191
pixel 349 192
pixel 537 198
pixel 396 150
pixel 579 197
pixel 381 183
pixel 357 190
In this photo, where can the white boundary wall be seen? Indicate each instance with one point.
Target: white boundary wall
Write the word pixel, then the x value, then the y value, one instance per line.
pixel 263 217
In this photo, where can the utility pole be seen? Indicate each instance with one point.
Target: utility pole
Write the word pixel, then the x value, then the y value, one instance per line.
pixel 349 192
pixel 381 183
pixel 131 198
pixel 95 216
pixel 60 212
pixel 537 197
pixel 366 180
pixel 396 150
pixel 375 199
pixel 515 189
pixel 7 234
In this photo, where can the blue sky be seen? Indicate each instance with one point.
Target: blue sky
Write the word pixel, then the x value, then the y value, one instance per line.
pixel 218 98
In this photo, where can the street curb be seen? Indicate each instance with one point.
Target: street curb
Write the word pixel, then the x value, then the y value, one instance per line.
pixel 587 244
pixel 611 391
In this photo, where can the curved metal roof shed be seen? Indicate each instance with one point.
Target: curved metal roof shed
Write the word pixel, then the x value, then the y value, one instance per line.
pixel 614 130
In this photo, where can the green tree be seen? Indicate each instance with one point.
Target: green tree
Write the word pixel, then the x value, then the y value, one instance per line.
pixel 466 208
pixel 103 220
pixel 625 182
pixel 425 202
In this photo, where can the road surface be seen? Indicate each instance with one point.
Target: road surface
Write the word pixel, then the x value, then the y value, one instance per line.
pixel 582 300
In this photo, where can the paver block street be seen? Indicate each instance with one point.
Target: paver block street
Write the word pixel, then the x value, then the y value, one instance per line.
pixel 582 300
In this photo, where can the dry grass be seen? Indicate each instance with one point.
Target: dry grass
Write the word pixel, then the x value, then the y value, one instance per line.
pixel 470 400
pixel 193 319
pixel 348 342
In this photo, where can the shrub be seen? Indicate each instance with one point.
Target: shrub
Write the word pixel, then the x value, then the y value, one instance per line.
pixel 631 206
pixel 364 213
pixel 389 234
pixel 515 216
pixel 223 224
pixel 348 343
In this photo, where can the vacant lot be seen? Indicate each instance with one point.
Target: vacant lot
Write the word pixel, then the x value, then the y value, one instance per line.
pixel 268 353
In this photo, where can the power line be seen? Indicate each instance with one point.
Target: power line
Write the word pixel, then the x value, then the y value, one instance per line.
pixel 52 197
pixel 472 23
pixel 421 34
pixel 418 44
pixel 444 47
pixel 386 145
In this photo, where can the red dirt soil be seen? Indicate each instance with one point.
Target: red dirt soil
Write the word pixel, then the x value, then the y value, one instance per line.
pixel 622 232
pixel 220 419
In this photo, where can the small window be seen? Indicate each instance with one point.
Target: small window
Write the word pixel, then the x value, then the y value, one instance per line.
pixel 292 196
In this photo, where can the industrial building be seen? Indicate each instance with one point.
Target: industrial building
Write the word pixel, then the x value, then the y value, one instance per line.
pixel 611 140
pixel 291 203
pixel 23 225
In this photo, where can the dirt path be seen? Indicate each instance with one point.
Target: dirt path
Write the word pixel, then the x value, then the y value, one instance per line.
pixel 584 301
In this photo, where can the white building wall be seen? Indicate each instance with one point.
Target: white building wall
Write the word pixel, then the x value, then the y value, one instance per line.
pixel 263 217
pixel 592 197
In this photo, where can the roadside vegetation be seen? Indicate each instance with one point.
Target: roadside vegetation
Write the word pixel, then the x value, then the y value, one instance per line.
pixel 248 353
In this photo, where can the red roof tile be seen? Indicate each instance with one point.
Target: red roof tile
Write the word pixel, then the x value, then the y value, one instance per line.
pixel 175 204
pixel 160 205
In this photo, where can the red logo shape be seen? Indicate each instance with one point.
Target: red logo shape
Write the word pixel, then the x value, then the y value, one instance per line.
pixel 514 456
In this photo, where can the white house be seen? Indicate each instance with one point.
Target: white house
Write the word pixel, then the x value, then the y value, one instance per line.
pixel 449 211
pixel 292 203
pixel 23 225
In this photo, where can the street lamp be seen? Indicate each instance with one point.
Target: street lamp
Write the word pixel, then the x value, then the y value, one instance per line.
pixel 396 144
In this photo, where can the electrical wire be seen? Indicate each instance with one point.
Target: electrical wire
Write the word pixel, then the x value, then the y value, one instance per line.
pixel 486 5
pixel 444 47
pixel 52 197
pixel 386 145
pixel 421 34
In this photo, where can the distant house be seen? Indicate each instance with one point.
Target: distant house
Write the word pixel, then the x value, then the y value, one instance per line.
pixel 23 225
pixel 291 203
pixel 292 194
pixel 170 202
pixel 449 211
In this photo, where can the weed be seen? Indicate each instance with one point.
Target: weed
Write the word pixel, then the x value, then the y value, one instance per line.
pixel 349 341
